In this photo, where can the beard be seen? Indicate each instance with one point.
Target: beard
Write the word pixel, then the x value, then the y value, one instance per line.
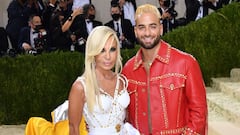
pixel 155 43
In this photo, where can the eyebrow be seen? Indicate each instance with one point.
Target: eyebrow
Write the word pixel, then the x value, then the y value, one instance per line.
pixel 146 25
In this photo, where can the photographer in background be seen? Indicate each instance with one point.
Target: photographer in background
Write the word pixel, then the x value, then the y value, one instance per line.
pixel 123 27
pixel 81 26
pixel 33 39
pixel 197 9
pixel 63 37
pixel 65 6
pixel 18 12
pixel 60 39
pixel 168 14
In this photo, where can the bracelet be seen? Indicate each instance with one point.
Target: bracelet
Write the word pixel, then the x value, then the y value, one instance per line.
pixel 70 18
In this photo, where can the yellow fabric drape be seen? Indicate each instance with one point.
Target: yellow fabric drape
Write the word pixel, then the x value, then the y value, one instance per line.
pixel 40 126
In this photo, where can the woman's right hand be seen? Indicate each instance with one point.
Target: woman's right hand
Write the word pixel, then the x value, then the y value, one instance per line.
pixel 52 1
pixel 77 11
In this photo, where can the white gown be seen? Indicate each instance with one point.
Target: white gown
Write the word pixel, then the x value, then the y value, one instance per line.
pixel 109 119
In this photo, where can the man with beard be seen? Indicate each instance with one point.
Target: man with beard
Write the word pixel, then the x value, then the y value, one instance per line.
pixel 166 88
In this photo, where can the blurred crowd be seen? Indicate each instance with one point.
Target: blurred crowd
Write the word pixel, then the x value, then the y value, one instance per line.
pixel 36 26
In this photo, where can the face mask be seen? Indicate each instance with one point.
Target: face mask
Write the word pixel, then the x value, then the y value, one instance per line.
pixel 116 16
pixel 91 17
pixel 38 27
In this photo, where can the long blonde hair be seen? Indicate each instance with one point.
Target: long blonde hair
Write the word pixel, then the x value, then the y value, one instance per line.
pixel 95 43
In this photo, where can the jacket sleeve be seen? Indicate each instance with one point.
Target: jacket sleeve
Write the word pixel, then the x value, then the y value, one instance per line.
pixel 196 97
pixel 24 36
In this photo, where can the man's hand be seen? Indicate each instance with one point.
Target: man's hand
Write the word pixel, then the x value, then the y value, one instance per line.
pixel 52 1
pixel 26 46
pixel 166 15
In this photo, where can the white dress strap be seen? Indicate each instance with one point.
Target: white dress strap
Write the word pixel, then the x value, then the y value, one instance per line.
pixel 116 88
pixel 82 80
pixel 124 80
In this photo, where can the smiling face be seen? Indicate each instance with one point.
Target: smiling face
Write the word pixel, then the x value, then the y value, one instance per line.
pixel 108 56
pixel 148 30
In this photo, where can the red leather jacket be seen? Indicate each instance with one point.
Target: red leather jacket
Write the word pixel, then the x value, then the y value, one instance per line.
pixel 171 100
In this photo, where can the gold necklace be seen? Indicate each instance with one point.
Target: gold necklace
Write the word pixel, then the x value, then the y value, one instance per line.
pixel 148 64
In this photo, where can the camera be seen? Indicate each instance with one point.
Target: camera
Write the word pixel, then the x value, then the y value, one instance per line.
pixel 78 45
pixel 81 41
pixel 40 39
pixel 33 52
pixel 171 5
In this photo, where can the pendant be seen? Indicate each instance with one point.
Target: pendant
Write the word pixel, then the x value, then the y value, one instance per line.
pixel 118 127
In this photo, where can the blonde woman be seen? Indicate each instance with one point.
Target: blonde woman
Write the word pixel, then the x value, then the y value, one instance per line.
pixel 100 94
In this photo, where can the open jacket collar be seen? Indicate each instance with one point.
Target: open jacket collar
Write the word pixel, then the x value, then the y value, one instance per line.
pixel 162 56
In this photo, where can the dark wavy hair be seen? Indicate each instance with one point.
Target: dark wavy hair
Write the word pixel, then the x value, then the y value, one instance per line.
pixel 86 7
